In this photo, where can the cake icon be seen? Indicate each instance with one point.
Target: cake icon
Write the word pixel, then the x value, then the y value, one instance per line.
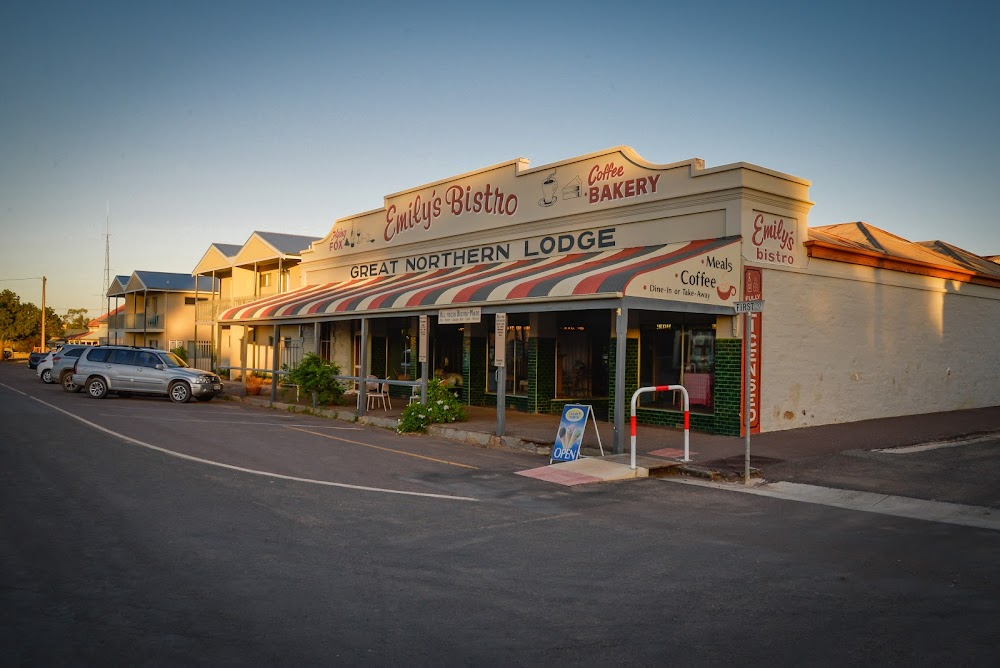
pixel 573 189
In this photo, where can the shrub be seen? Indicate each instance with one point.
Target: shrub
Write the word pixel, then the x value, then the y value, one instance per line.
pixel 442 407
pixel 314 375
pixel 181 352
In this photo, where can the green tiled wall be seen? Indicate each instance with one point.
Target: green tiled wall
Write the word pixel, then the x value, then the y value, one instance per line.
pixel 544 375
pixel 728 381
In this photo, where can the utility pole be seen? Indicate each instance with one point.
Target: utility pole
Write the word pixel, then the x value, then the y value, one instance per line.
pixel 44 280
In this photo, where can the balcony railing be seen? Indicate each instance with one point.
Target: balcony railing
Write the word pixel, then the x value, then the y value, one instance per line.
pixel 208 311
pixel 144 321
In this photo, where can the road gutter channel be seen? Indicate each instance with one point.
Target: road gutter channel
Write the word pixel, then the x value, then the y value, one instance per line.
pixel 870 502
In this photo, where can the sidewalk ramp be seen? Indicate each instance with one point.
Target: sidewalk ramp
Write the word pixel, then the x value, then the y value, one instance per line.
pixel 589 470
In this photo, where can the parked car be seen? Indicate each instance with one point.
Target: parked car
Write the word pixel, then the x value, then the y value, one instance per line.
pixel 44 368
pixel 62 366
pixel 8 353
pixel 125 370
pixel 58 361
pixel 35 357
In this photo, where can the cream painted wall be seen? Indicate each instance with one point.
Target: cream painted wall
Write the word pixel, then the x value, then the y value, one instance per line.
pixel 243 282
pixel 340 347
pixel 178 317
pixel 843 343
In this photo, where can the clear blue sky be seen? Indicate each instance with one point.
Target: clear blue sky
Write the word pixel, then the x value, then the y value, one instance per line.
pixel 200 122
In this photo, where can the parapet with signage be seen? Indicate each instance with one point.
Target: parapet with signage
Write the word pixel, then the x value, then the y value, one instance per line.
pixel 511 212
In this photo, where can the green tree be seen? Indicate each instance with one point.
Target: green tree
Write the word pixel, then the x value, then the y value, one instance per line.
pixel 75 318
pixel 21 322
pixel 54 327
pixel 10 308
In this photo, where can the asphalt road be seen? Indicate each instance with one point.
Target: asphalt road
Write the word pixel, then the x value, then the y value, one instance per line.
pixel 137 531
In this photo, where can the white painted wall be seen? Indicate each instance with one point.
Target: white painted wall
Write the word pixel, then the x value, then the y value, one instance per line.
pixel 843 343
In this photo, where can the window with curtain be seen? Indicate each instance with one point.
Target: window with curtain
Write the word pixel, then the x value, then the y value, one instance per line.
pixel 678 350
pixel 516 367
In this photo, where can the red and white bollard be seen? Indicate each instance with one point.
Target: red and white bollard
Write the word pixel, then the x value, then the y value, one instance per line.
pixel 687 415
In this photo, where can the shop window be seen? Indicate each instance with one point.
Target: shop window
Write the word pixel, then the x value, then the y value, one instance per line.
pixel 573 361
pixel 446 353
pixel 400 354
pixel 516 367
pixel 581 368
pixel 678 352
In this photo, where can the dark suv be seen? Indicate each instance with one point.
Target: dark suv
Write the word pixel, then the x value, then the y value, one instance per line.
pixel 123 369
pixel 35 357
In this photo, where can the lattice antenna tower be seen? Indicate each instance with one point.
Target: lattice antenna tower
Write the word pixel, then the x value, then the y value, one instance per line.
pixel 107 257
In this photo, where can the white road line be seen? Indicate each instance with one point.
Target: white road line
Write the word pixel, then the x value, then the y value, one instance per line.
pixel 245 422
pixel 935 445
pixel 869 502
pixel 133 441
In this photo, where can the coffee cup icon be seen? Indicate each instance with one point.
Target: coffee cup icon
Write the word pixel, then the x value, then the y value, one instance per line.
pixel 549 187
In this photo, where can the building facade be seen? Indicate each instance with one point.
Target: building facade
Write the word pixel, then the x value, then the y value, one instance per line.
pixel 265 265
pixel 592 277
pixel 157 310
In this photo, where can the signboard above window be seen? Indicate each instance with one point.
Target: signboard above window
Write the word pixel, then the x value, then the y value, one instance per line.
pixel 454 316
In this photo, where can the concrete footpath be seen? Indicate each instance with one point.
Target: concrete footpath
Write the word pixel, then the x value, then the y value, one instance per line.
pixel 711 455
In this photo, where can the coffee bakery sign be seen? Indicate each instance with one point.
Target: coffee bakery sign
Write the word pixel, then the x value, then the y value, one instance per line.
pixel 497 197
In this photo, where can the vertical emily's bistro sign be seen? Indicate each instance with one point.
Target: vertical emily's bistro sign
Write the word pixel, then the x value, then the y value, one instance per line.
pixel 753 290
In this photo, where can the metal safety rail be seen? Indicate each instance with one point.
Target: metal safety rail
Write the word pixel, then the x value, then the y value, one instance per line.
pixel 687 415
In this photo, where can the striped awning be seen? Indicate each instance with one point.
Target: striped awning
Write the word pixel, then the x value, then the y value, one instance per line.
pixel 597 275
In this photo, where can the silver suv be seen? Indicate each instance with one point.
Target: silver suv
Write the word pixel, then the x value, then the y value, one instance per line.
pixel 123 369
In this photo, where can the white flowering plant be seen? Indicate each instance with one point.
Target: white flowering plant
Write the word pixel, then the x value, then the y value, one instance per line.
pixel 442 406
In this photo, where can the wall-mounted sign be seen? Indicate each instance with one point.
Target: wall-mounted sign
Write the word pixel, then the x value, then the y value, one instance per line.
pixel 705 272
pixel 456 316
pixel 773 239
pixel 422 343
pixel 753 291
pixel 500 340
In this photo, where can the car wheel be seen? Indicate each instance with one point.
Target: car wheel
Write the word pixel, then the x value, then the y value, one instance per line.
pixel 180 392
pixel 97 388
pixel 68 384
pixel 47 376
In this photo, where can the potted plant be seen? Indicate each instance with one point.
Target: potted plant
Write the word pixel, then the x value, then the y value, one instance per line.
pixel 253 384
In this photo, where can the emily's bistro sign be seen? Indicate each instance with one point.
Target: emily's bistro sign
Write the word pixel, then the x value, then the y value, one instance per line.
pixel 495 197
pixel 498 201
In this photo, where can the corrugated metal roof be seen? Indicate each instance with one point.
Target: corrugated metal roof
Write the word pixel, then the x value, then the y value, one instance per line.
pixel 289 244
pixel 161 281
